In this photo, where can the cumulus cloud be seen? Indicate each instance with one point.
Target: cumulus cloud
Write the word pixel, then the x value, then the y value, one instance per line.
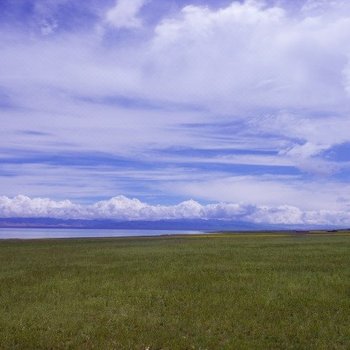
pixel 247 54
pixel 23 206
pixel 123 208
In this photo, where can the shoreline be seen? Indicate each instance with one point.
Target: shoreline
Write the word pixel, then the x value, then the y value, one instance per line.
pixel 199 234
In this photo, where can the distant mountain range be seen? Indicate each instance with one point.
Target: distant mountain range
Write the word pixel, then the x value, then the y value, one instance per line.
pixel 183 224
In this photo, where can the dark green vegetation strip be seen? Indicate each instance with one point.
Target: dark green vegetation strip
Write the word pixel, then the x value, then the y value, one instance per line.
pixel 227 292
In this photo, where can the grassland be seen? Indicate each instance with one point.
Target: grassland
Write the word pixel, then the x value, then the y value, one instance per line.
pixel 200 292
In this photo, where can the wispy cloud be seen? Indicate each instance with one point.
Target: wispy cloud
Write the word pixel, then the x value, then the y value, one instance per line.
pixel 125 14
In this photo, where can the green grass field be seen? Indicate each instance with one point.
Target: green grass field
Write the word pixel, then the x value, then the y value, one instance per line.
pixel 200 292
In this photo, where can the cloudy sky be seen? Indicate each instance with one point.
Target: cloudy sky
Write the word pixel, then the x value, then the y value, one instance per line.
pixel 240 106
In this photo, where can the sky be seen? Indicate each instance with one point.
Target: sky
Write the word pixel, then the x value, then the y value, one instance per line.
pixel 150 109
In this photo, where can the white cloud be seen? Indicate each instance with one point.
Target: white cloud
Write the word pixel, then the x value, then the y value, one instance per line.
pixel 123 208
pixel 23 206
pixel 279 215
pixel 125 14
pixel 247 55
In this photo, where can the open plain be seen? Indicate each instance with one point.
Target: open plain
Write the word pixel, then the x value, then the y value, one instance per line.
pixel 221 291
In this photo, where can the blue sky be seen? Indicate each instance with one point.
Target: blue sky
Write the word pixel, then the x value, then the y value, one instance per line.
pixel 237 102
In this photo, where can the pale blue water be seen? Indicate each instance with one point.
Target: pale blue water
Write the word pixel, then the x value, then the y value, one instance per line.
pixel 30 233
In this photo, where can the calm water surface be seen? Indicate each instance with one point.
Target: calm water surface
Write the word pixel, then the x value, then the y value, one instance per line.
pixel 30 233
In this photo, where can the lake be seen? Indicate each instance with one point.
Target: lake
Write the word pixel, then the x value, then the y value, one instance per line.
pixel 33 233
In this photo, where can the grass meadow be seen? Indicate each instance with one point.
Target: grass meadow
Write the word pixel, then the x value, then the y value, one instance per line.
pixel 197 292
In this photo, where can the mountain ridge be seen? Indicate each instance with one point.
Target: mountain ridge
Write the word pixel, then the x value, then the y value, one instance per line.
pixel 167 224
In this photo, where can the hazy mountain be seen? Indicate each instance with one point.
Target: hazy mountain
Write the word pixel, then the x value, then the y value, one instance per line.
pixel 195 224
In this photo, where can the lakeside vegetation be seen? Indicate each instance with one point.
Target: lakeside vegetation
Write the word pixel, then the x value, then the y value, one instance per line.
pixel 266 291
